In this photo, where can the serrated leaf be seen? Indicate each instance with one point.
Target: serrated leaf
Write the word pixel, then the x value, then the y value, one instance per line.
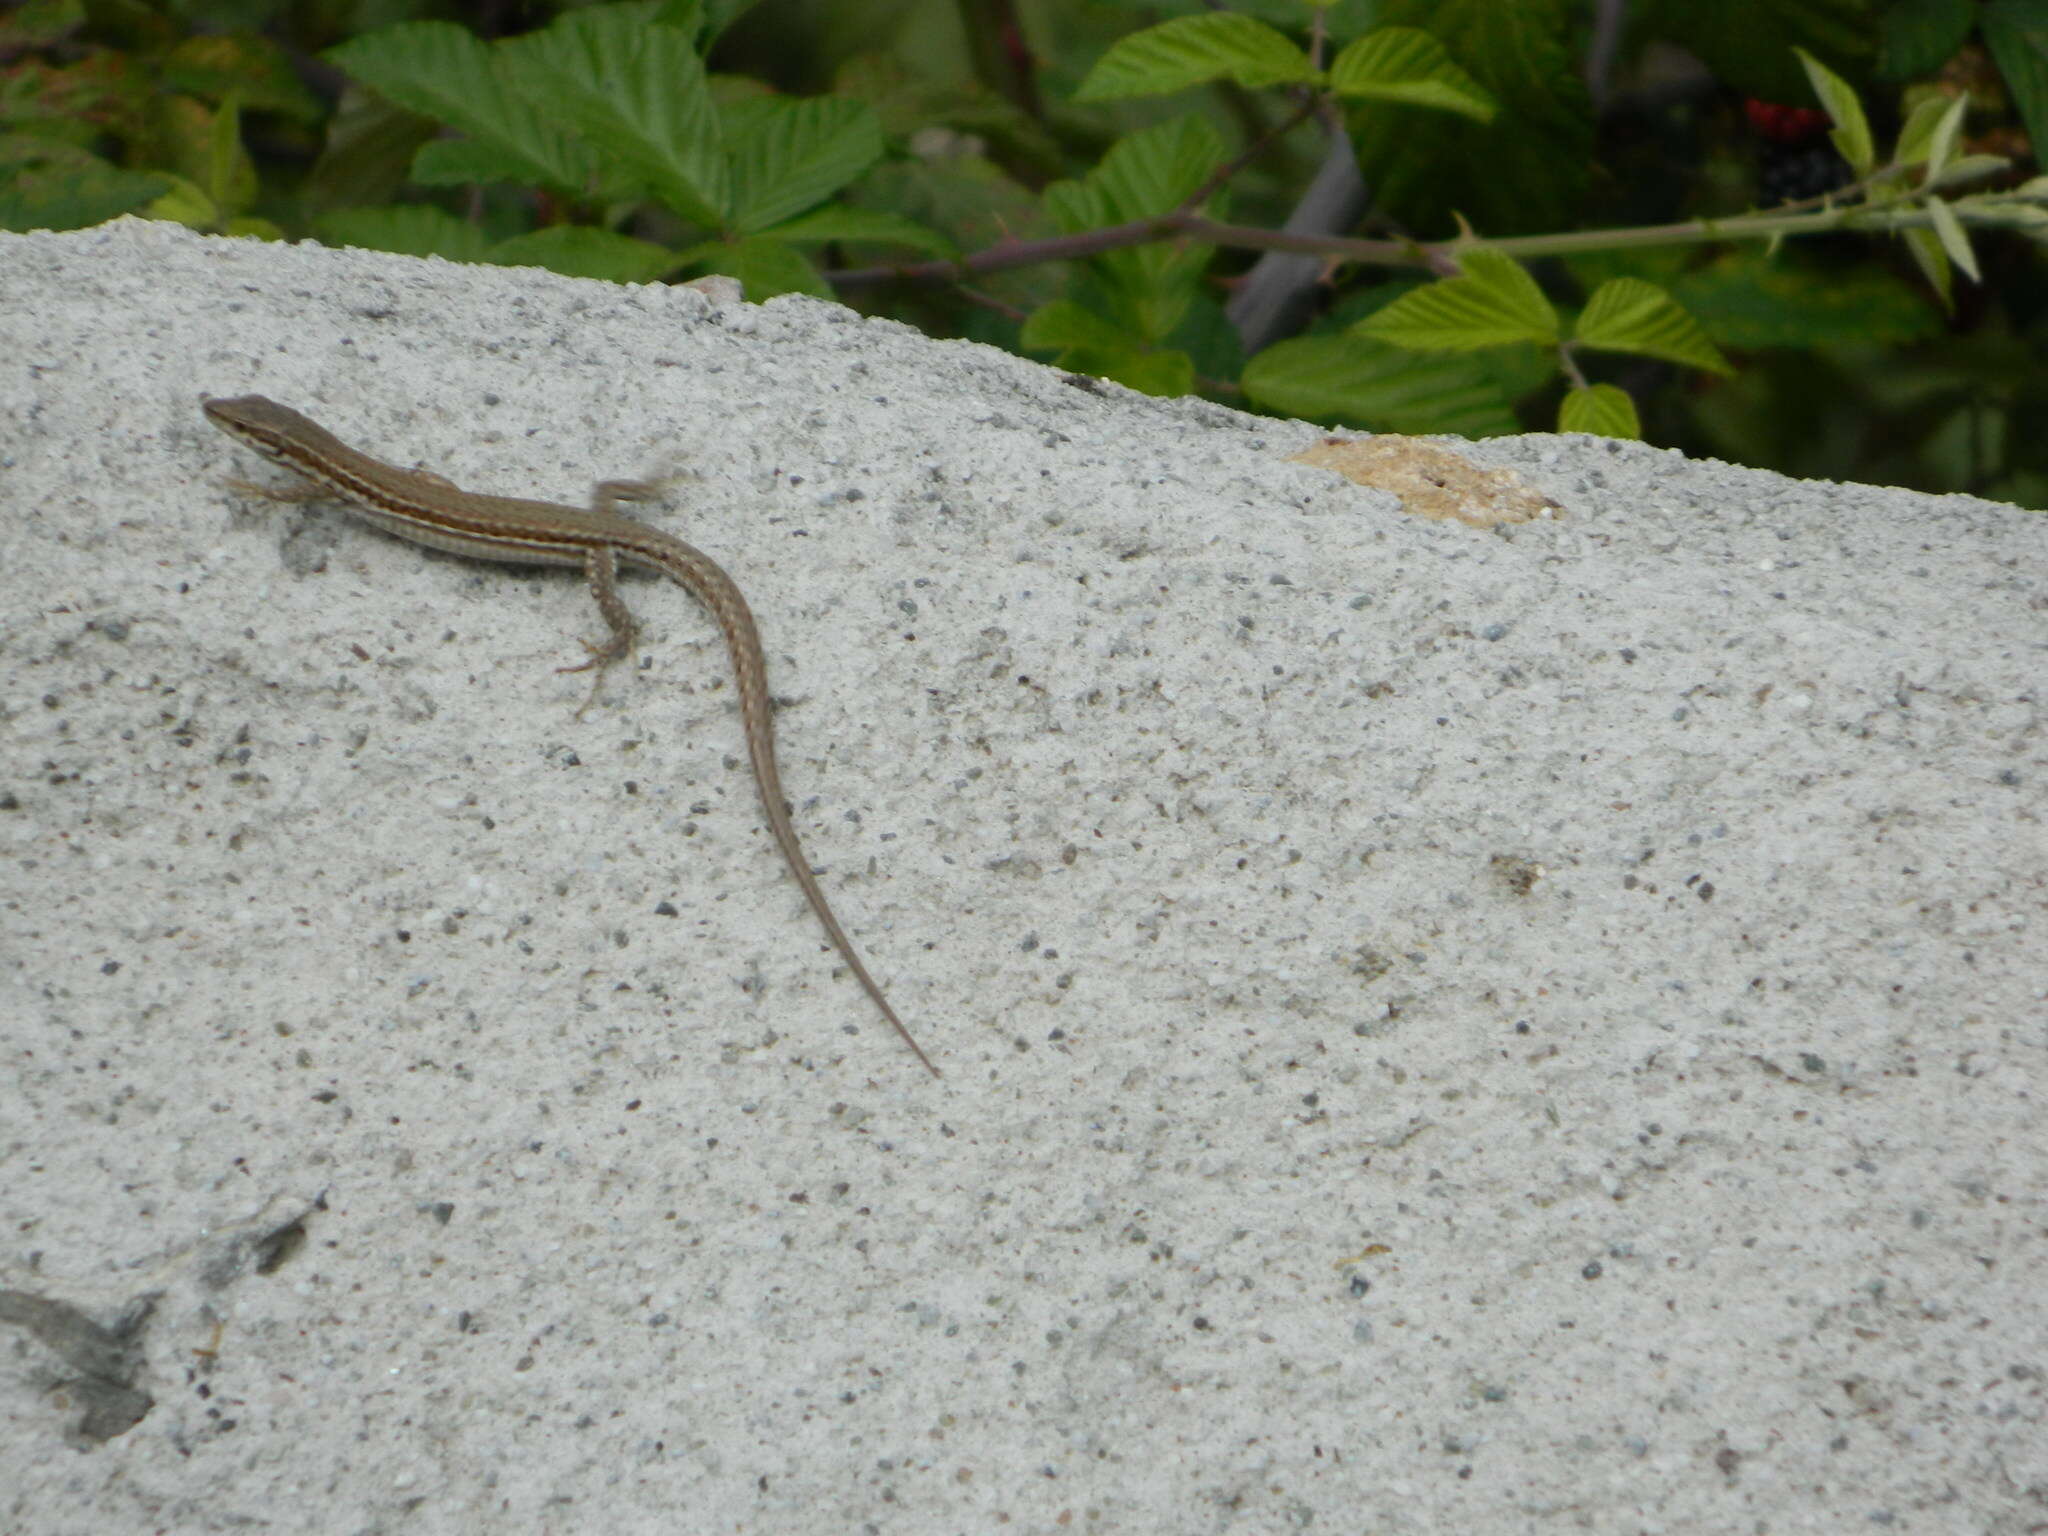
pixel 414 229
pixel 1932 260
pixel 1354 381
pixel 1602 410
pixel 1949 230
pixel 788 155
pixel 1406 64
pixel 636 92
pixel 1851 133
pixel 1494 302
pixel 867 226
pixel 1192 50
pixel 578 250
pixel 438 70
pixel 1630 315
pixel 1151 172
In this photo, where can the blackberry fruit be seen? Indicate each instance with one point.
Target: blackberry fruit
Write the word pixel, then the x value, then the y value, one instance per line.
pixel 1788 175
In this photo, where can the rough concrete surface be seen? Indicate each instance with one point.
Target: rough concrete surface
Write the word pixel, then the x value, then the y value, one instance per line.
pixel 1540 1028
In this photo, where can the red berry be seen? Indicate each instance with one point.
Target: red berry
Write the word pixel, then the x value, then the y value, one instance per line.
pixel 1781 124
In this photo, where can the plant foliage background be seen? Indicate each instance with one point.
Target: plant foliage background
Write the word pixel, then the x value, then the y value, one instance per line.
pixel 1806 235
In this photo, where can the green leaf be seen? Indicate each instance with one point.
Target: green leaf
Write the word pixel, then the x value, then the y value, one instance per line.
pixel 79 201
pixel 1630 315
pixel 254 68
pixel 1851 133
pixel 2018 210
pixel 1918 36
pixel 578 250
pixel 1192 50
pixel 1929 135
pixel 1207 335
pixel 411 230
pixel 1152 172
pixel 764 265
pixel 1527 170
pixel 791 155
pixel 1746 300
pixel 1916 134
pixel 1085 342
pixel 689 17
pixel 974 203
pixel 1747 44
pixel 438 70
pixel 185 203
pixel 1064 325
pixel 1508 372
pixel 480 162
pixel 224 152
pixel 1149 173
pixel 865 226
pixel 1166 373
pixel 1493 303
pixel 1932 260
pixel 1601 409
pixel 636 92
pixel 1949 230
pixel 1406 64
pixel 1354 381
pixel 1971 168
pixel 45 184
pixel 367 145
pixel 2016 32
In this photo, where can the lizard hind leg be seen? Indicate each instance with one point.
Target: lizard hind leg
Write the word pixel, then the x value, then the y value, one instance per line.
pixel 601 568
